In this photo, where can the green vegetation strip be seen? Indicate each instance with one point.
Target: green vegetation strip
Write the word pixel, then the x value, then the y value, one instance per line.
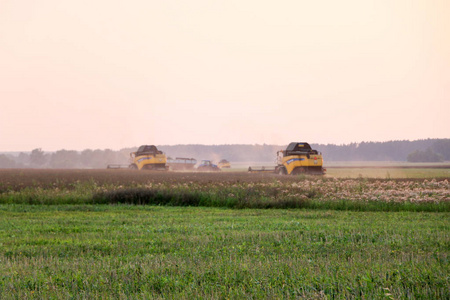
pixel 254 199
pixel 147 252
pixel 227 190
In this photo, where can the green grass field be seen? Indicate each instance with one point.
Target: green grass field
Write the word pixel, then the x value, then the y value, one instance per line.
pixel 343 238
pixel 150 252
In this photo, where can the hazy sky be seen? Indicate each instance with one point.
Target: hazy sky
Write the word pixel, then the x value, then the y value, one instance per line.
pixel 115 74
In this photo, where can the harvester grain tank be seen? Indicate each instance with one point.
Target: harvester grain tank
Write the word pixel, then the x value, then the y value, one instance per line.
pixel 148 157
pixel 298 158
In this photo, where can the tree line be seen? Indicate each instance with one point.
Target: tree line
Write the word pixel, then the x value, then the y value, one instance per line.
pixel 428 150
pixel 64 159
pixel 435 150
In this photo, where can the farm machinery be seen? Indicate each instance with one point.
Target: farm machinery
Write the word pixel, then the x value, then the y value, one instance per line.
pixel 148 157
pixel 223 164
pixel 208 166
pixel 181 163
pixel 298 158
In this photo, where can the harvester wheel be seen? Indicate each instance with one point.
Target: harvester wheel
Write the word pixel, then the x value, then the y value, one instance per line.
pixel 133 167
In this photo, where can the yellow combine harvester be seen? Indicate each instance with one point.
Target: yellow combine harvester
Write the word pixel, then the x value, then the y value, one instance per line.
pixel 298 158
pixel 148 157
pixel 224 164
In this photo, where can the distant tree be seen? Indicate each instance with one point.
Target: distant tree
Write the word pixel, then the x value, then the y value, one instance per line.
pixel 425 156
pixel 6 162
pixel 37 157
pixel 442 147
pixel 23 159
pixel 65 159
pixel 98 159
pixel 109 156
pixel 86 158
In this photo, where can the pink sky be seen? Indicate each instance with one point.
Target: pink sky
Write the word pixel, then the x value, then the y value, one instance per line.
pixel 114 74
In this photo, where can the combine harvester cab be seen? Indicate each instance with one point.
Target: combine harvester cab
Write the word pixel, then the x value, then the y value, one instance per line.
pixel 299 158
pixel 148 157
